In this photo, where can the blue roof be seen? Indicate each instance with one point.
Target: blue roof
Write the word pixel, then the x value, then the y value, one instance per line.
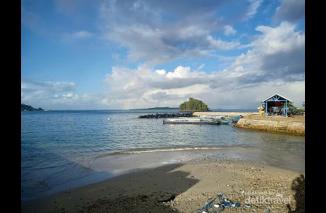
pixel 276 97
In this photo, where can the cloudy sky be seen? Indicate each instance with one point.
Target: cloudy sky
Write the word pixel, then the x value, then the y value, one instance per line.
pixel 113 54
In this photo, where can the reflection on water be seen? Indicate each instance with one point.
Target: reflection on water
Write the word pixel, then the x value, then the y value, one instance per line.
pixel 63 148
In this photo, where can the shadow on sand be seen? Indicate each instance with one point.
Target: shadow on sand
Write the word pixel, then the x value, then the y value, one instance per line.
pixel 298 186
pixel 145 190
pixel 149 190
pixel 53 173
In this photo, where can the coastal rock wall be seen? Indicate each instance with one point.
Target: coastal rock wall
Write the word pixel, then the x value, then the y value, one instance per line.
pixel 291 127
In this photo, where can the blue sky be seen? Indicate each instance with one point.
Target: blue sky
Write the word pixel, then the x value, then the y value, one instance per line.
pixel 106 54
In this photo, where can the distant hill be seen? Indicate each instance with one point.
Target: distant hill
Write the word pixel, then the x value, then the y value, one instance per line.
pixel 160 108
pixel 25 107
pixel 157 108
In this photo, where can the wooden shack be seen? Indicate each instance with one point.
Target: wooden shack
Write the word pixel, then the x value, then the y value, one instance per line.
pixel 276 105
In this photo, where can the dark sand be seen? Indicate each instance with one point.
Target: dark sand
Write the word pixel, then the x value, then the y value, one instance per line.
pixel 187 186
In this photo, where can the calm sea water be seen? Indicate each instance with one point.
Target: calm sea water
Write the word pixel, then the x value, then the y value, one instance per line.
pixel 66 149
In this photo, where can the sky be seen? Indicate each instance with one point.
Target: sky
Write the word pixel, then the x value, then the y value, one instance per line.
pixel 125 54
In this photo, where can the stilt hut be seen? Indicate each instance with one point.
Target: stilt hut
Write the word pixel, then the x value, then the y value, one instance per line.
pixel 276 105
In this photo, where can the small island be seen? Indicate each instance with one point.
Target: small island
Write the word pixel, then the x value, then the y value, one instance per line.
pixel 25 107
pixel 193 105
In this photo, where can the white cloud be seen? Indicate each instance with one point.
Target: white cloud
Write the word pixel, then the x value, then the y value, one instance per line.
pixel 190 32
pixel 274 64
pixel 57 95
pixel 281 38
pixel 278 53
pixel 223 45
pixel 219 89
pixel 161 72
pixel 229 30
pixel 253 7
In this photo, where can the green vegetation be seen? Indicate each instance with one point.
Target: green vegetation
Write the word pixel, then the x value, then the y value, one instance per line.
pixel 25 107
pixel 292 110
pixel 193 105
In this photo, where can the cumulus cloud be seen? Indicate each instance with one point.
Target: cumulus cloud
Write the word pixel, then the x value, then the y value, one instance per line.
pixel 154 32
pixel 170 88
pixel 278 53
pixel 290 10
pixel 275 63
pixel 144 87
pixel 186 30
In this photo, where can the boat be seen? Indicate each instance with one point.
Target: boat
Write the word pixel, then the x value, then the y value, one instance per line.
pixel 224 121
pixel 186 120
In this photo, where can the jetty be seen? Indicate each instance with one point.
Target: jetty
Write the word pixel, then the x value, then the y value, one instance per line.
pixel 276 114
pixel 167 115
pixel 225 114
pixel 294 125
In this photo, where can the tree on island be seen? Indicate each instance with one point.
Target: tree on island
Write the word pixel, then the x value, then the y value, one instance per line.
pixel 193 105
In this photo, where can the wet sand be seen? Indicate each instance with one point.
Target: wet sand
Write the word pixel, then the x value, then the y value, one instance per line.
pixel 183 187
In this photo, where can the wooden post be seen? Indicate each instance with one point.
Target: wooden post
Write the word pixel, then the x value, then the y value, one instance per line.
pixel 286 108
pixel 266 108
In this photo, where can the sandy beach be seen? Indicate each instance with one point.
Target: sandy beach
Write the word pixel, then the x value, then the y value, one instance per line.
pixel 184 188
pixel 149 106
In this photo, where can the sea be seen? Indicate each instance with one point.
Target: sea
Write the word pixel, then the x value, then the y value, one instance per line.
pixel 62 150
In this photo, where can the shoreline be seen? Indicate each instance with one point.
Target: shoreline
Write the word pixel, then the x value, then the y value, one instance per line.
pixel 191 183
pixel 110 165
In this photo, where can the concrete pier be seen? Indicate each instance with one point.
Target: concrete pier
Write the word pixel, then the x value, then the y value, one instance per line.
pixel 294 125
pixel 291 125
pixel 222 113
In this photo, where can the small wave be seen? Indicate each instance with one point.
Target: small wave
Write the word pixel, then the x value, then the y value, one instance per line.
pixel 153 150
pixel 169 150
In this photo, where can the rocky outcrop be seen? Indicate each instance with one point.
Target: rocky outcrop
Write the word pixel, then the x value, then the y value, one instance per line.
pixel 284 126
pixel 25 107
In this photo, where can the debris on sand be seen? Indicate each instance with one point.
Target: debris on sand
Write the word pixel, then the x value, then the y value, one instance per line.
pixel 218 204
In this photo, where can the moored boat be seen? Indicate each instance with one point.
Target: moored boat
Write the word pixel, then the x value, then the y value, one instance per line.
pixel 186 120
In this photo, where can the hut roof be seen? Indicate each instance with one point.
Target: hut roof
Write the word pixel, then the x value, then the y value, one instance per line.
pixel 276 97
